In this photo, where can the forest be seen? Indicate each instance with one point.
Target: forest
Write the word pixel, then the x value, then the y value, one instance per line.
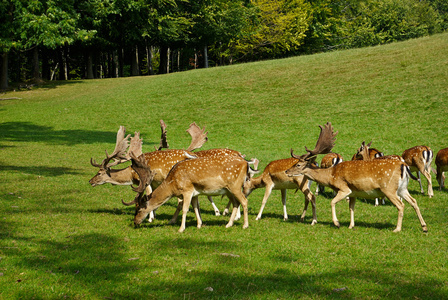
pixel 43 40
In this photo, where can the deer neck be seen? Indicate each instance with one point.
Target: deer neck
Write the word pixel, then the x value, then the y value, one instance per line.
pixel 322 176
pixel 124 176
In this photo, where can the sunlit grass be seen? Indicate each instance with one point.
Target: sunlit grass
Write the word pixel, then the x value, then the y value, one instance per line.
pixel 61 238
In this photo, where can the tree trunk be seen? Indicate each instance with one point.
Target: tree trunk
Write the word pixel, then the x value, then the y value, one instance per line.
pixel 134 63
pixel 4 71
pixel 61 74
pixel 36 71
pixel 89 65
pixel 205 57
pixel 149 56
pixel 116 64
pixel 163 60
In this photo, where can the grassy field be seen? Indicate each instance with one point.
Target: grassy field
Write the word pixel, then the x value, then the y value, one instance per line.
pixel 62 239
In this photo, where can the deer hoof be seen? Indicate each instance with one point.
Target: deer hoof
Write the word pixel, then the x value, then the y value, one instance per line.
pixel 314 222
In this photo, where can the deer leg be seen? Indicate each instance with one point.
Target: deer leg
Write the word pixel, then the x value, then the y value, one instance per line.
pixel 243 202
pixel 238 212
pixel 308 197
pixel 428 178
pixel 217 213
pixel 285 214
pixel 227 209
pixel 176 213
pixel 393 197
pixel 267 193
pixel 234 211
pixel 339 196
pixel 413 203
pixel 420 182
pixel 195 203
pixel 152 214
pixel 185 208
pixel 352 211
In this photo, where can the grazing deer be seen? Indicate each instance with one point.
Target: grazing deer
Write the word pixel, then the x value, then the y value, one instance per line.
pixel 328 161
pixel 214 175
pixel 274 178
pixel 442 166
pixel 358 178
pixel 419 159
pixel 367 153
pixel 160 161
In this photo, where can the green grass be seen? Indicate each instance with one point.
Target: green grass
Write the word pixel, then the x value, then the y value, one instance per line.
pixel 61 238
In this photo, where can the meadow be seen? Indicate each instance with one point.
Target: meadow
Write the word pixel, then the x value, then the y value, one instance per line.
pixel 60 238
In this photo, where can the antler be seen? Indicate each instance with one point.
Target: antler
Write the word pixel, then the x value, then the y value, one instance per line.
pixel 140 166
pixel 198 137
pixel 119 154
pixel 163 141
pixel 324 144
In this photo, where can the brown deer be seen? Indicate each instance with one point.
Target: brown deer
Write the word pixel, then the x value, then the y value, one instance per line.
pixel 366 153
pixel 442 166
pixel 358 178
pixel 214 175
pixel 216 153
pixel 419 159
pixel 275 178
pixel 160 161
pixel 328 161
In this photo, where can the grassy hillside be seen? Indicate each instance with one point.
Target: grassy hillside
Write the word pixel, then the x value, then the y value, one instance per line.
pixel 61 238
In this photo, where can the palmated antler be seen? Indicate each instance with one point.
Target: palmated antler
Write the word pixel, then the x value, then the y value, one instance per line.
pixel 163 141
pixel 323 146
pixel 119 154
pixel 140 166
pixel 198 137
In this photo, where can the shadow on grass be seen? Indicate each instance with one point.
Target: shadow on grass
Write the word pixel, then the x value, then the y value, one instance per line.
pixel 99 266
pixel 29 132
pixel 42 171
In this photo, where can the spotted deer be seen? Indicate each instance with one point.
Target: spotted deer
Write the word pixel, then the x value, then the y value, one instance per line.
pixel 358 178
pixel 275 178
pixel 419 160
pixel 213 175
pixel 328 161
pixel 442 166
pixel 160 161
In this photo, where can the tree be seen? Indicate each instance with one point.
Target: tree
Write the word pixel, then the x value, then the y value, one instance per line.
pixel 279 28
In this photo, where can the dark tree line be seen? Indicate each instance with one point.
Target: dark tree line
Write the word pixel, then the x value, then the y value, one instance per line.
pixel 68 39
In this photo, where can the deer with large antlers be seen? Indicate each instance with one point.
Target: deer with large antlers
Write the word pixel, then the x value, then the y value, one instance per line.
pixel 160 161
pixel 358 178
pixel 214 175
pixel 419 159
pixel 442 166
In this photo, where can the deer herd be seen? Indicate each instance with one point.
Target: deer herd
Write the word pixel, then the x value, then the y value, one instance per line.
pixel 165 173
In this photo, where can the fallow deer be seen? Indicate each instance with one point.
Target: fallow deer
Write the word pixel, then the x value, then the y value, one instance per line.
pixel 358 178
pixel 215 153
pixel 366 153
pixel 328 161
pixel 419 159
pixel 214 175
pixel 274 178
pixel 160 161
pixel 442 166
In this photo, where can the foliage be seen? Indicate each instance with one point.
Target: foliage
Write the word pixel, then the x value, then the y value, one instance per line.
pixel 378 22
pixel 279 28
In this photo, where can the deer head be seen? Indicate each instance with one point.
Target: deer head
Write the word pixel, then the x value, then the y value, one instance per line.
pixel 118 156
pixel 324 145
